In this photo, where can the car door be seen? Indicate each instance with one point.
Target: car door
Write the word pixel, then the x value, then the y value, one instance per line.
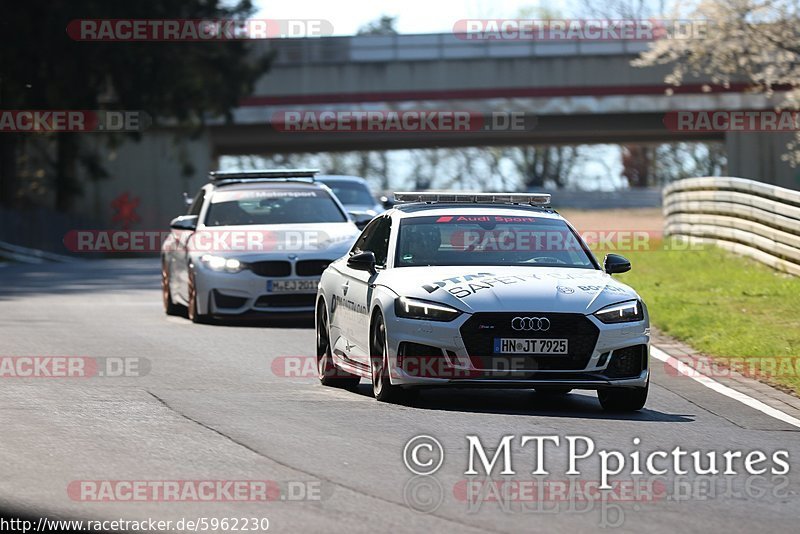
pixel 357 286
pixel 179 259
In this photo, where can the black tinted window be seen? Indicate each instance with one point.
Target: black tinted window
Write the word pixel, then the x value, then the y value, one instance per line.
pixel 273 206
pixel 376 239
pixel 197 203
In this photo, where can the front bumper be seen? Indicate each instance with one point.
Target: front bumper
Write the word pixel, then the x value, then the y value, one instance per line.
pixel 245 293
pixel 454 366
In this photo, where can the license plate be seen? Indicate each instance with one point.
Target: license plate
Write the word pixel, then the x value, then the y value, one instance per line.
pixel 506 345
pixel 288 286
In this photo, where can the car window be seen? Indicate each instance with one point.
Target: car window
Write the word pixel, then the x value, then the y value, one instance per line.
pixel 351 193
pixel 375 238
pixel 197 203
pixel 272 206
pixel 490 240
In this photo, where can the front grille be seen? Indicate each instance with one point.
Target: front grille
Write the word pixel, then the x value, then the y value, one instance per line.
pixel 479 331
pixel 271 268
pixel 287 301
pixel 311 267
pixel 627 363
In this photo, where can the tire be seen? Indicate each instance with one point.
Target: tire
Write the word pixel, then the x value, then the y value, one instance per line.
pixel 170 308
pixel 382 388
pixel 623 399
pixel 327 372
pixel 194 316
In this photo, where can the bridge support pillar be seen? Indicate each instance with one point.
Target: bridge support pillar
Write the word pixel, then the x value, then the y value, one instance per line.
pixel 757 155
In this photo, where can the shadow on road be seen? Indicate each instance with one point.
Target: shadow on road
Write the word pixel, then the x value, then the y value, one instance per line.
pixel 579 404
pixel 23 280
pixel 303 321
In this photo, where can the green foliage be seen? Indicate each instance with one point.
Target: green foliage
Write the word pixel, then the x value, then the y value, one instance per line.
pixel 175 82
pixel 721 304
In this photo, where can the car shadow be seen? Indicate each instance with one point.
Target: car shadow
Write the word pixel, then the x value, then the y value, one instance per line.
pixel 304 321
pixel 579 404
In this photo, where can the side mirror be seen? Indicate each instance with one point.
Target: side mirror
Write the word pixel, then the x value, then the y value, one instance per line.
pixel 614 263
pixel 361 218
pixel 363 261
pixel 184 222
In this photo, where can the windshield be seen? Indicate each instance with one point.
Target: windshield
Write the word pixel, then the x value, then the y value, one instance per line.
pixel 351 193
pixel 273 206
pixel 489 240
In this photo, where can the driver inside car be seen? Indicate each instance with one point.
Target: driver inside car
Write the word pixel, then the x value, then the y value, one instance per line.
pixel 422 245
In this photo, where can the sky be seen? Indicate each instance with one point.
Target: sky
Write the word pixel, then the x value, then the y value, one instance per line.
pixel 413 16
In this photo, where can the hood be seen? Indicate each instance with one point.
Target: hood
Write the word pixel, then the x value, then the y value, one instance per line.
pixel 501 289
pixel 253 242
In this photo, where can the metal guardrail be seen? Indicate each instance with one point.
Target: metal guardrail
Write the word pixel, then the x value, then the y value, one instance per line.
pixel 31 255
pixel 750 218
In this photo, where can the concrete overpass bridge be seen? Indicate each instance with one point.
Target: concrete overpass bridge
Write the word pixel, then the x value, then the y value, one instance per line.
pixel 578 91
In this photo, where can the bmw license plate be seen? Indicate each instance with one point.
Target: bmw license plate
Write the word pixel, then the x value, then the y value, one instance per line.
pixel 290 286
pixel 506 345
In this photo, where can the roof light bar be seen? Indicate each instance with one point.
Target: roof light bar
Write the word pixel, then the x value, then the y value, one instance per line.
pixel 434 197
pixel 276 174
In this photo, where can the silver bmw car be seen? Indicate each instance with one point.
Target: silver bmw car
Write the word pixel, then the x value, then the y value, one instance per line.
pixel 480 290
pixel 253 243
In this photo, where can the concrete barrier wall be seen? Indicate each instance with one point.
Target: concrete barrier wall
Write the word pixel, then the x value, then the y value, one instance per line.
pixel 750 218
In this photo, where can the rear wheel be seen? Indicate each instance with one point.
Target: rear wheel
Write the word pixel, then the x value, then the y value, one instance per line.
pixel 194 316
pixel 623 399
pixel 327 372
pixel 382 387
pixel 170 308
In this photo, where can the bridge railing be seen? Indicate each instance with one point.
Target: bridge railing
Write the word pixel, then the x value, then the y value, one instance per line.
pixel 750 218
pixel 438 46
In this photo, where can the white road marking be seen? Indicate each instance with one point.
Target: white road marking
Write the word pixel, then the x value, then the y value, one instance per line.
pixel 720 388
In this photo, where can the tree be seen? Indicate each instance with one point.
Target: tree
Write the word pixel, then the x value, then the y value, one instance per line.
pixel 754 40
pixel 637 165
pixel 180 82
pixel 385 25
pixel 542 166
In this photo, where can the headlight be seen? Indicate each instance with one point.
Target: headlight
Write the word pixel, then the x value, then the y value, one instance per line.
pixel 422 309
pixel 218 263
pixel 625 312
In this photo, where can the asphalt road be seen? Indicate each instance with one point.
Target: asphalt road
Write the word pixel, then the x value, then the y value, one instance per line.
pixel 211 404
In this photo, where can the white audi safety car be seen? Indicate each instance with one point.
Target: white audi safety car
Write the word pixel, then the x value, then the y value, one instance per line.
pixel 253 243
pixel 480 290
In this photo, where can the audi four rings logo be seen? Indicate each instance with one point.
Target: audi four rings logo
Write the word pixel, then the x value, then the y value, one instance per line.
pixel 534 324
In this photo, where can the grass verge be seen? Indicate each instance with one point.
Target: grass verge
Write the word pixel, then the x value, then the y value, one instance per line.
pixel 724 306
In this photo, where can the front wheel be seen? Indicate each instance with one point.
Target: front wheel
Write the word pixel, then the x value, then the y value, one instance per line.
pixel 194 316
pixel 623 399
pixel 382 387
